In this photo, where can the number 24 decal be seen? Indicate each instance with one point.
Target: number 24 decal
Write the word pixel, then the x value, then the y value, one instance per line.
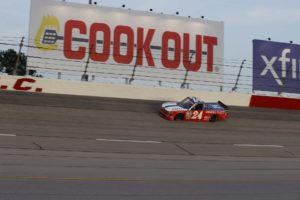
pixel 197 115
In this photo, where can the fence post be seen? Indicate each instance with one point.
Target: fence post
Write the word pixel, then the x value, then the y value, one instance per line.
pixel 186 73
pixel 281 88
pixel 84 76
pixel 238 76
pixel 160 83
pixel 135 65
pixel 185 78
pixel 14 72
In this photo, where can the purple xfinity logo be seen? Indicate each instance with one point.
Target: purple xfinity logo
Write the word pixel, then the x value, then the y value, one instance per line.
pixel 276 66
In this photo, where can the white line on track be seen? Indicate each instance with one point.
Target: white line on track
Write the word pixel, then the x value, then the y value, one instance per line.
pixel 7 135
pixel 258 145
pixel 132 141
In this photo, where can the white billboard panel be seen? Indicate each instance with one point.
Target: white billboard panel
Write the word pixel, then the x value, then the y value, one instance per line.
pixel 65 36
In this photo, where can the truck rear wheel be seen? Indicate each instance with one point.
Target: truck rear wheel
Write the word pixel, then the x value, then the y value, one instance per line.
pixel 213 118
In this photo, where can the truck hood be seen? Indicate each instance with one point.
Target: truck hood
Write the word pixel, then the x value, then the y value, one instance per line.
pixel 171 106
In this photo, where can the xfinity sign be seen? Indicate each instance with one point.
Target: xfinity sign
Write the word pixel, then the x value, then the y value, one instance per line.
pixel 276 66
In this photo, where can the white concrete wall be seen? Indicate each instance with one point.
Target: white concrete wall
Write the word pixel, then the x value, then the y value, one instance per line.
pixel 117 91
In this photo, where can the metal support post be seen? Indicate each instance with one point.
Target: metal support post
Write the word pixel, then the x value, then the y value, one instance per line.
pixel 134 68
pixel 183 84
pixel 14 72
pixel 238 76
pixel 84 76
pixel 281 88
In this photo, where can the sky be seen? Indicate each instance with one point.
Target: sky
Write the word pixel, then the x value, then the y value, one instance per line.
pixel 244 20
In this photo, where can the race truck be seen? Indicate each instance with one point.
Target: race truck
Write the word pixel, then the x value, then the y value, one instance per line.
pixel 194 109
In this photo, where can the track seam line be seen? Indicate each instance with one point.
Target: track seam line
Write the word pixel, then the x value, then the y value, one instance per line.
pixel 183 149
pixel 39 146
pixel 289 152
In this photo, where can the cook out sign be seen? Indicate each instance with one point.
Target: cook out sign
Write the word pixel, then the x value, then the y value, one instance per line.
pixel 143 39
pixel 112 35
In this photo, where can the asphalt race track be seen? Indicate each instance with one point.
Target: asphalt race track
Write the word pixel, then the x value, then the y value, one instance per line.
pixel 72 147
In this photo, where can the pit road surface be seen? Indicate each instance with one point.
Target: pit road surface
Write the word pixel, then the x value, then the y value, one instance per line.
pixel 72 147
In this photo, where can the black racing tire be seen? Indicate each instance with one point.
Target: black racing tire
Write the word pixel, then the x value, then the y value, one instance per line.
pixel 178 117
pixel 213 118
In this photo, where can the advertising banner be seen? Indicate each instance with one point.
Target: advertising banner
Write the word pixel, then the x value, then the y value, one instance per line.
pixel 70 37
pixel 276 66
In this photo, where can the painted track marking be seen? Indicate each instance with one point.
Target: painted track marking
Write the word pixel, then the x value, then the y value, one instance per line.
pixel 128 179
pixel 7 135
pixel 132 141
pixel 259 145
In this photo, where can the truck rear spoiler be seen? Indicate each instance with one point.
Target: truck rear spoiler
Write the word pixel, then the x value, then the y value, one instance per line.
pixel 223 105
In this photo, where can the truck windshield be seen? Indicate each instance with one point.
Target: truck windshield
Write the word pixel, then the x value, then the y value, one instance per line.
pixel 186 103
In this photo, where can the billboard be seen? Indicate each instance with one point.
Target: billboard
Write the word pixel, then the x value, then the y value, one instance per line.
pixel 276 66
pixel 68 37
